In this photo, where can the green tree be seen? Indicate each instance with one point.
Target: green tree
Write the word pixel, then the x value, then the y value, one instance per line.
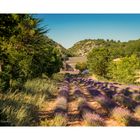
pixel 24 50
pixel 98 60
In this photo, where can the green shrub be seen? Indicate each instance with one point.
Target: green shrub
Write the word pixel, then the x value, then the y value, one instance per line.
pixel 98 61
pixel 81 66
pixel 58 77
pixel 25 51
pixel 124 70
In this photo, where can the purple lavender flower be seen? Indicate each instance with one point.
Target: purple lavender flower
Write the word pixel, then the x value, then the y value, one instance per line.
pixel 105 102
pixel 78 92
pixel 121 115
pixel 61 105
pixel 93 119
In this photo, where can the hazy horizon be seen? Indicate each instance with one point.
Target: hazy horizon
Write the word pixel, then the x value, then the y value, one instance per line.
pixel 67 29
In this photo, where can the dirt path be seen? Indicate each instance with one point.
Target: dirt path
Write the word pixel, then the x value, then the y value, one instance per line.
pixel 74 117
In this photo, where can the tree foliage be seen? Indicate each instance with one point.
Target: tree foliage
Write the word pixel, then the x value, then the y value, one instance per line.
pixel 104 61
pixel 81 66
pixel 124 70
pixel 98 60
pixel 24 50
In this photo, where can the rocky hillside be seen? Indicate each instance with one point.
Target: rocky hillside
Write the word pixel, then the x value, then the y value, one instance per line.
pixel 83 47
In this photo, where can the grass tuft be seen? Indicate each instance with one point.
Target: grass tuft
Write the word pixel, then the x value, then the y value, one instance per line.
pixel 59 120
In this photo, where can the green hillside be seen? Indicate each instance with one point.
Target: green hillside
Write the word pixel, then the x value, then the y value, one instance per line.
pixel 83 47
pixel 63 50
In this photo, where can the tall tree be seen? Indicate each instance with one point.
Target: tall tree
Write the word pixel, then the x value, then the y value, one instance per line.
pixel 98 60
pixel 24 51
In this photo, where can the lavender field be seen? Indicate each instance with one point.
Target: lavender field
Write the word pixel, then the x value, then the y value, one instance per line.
pixel 68 79
pixel 86 102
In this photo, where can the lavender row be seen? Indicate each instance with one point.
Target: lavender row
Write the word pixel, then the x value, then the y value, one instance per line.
pixel 90 117
pixel 61 105
pixel 110 90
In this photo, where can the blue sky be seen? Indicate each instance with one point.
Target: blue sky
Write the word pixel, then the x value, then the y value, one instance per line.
pixel 67 29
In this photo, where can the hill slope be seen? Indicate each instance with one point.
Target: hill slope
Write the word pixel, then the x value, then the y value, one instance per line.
pixel 83 47
pixel 57 45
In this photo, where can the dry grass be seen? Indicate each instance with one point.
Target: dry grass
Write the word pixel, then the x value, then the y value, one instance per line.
pixel 58 120
pixel 41 86
pixel 20 108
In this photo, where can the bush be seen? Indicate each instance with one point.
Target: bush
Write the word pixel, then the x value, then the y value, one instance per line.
pixel 25 51
pixel 81 66
pixel 58 77
pixel 98 61
pixel 124 70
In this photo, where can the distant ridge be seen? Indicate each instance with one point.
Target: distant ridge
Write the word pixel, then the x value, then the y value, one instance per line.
pixel 83 47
